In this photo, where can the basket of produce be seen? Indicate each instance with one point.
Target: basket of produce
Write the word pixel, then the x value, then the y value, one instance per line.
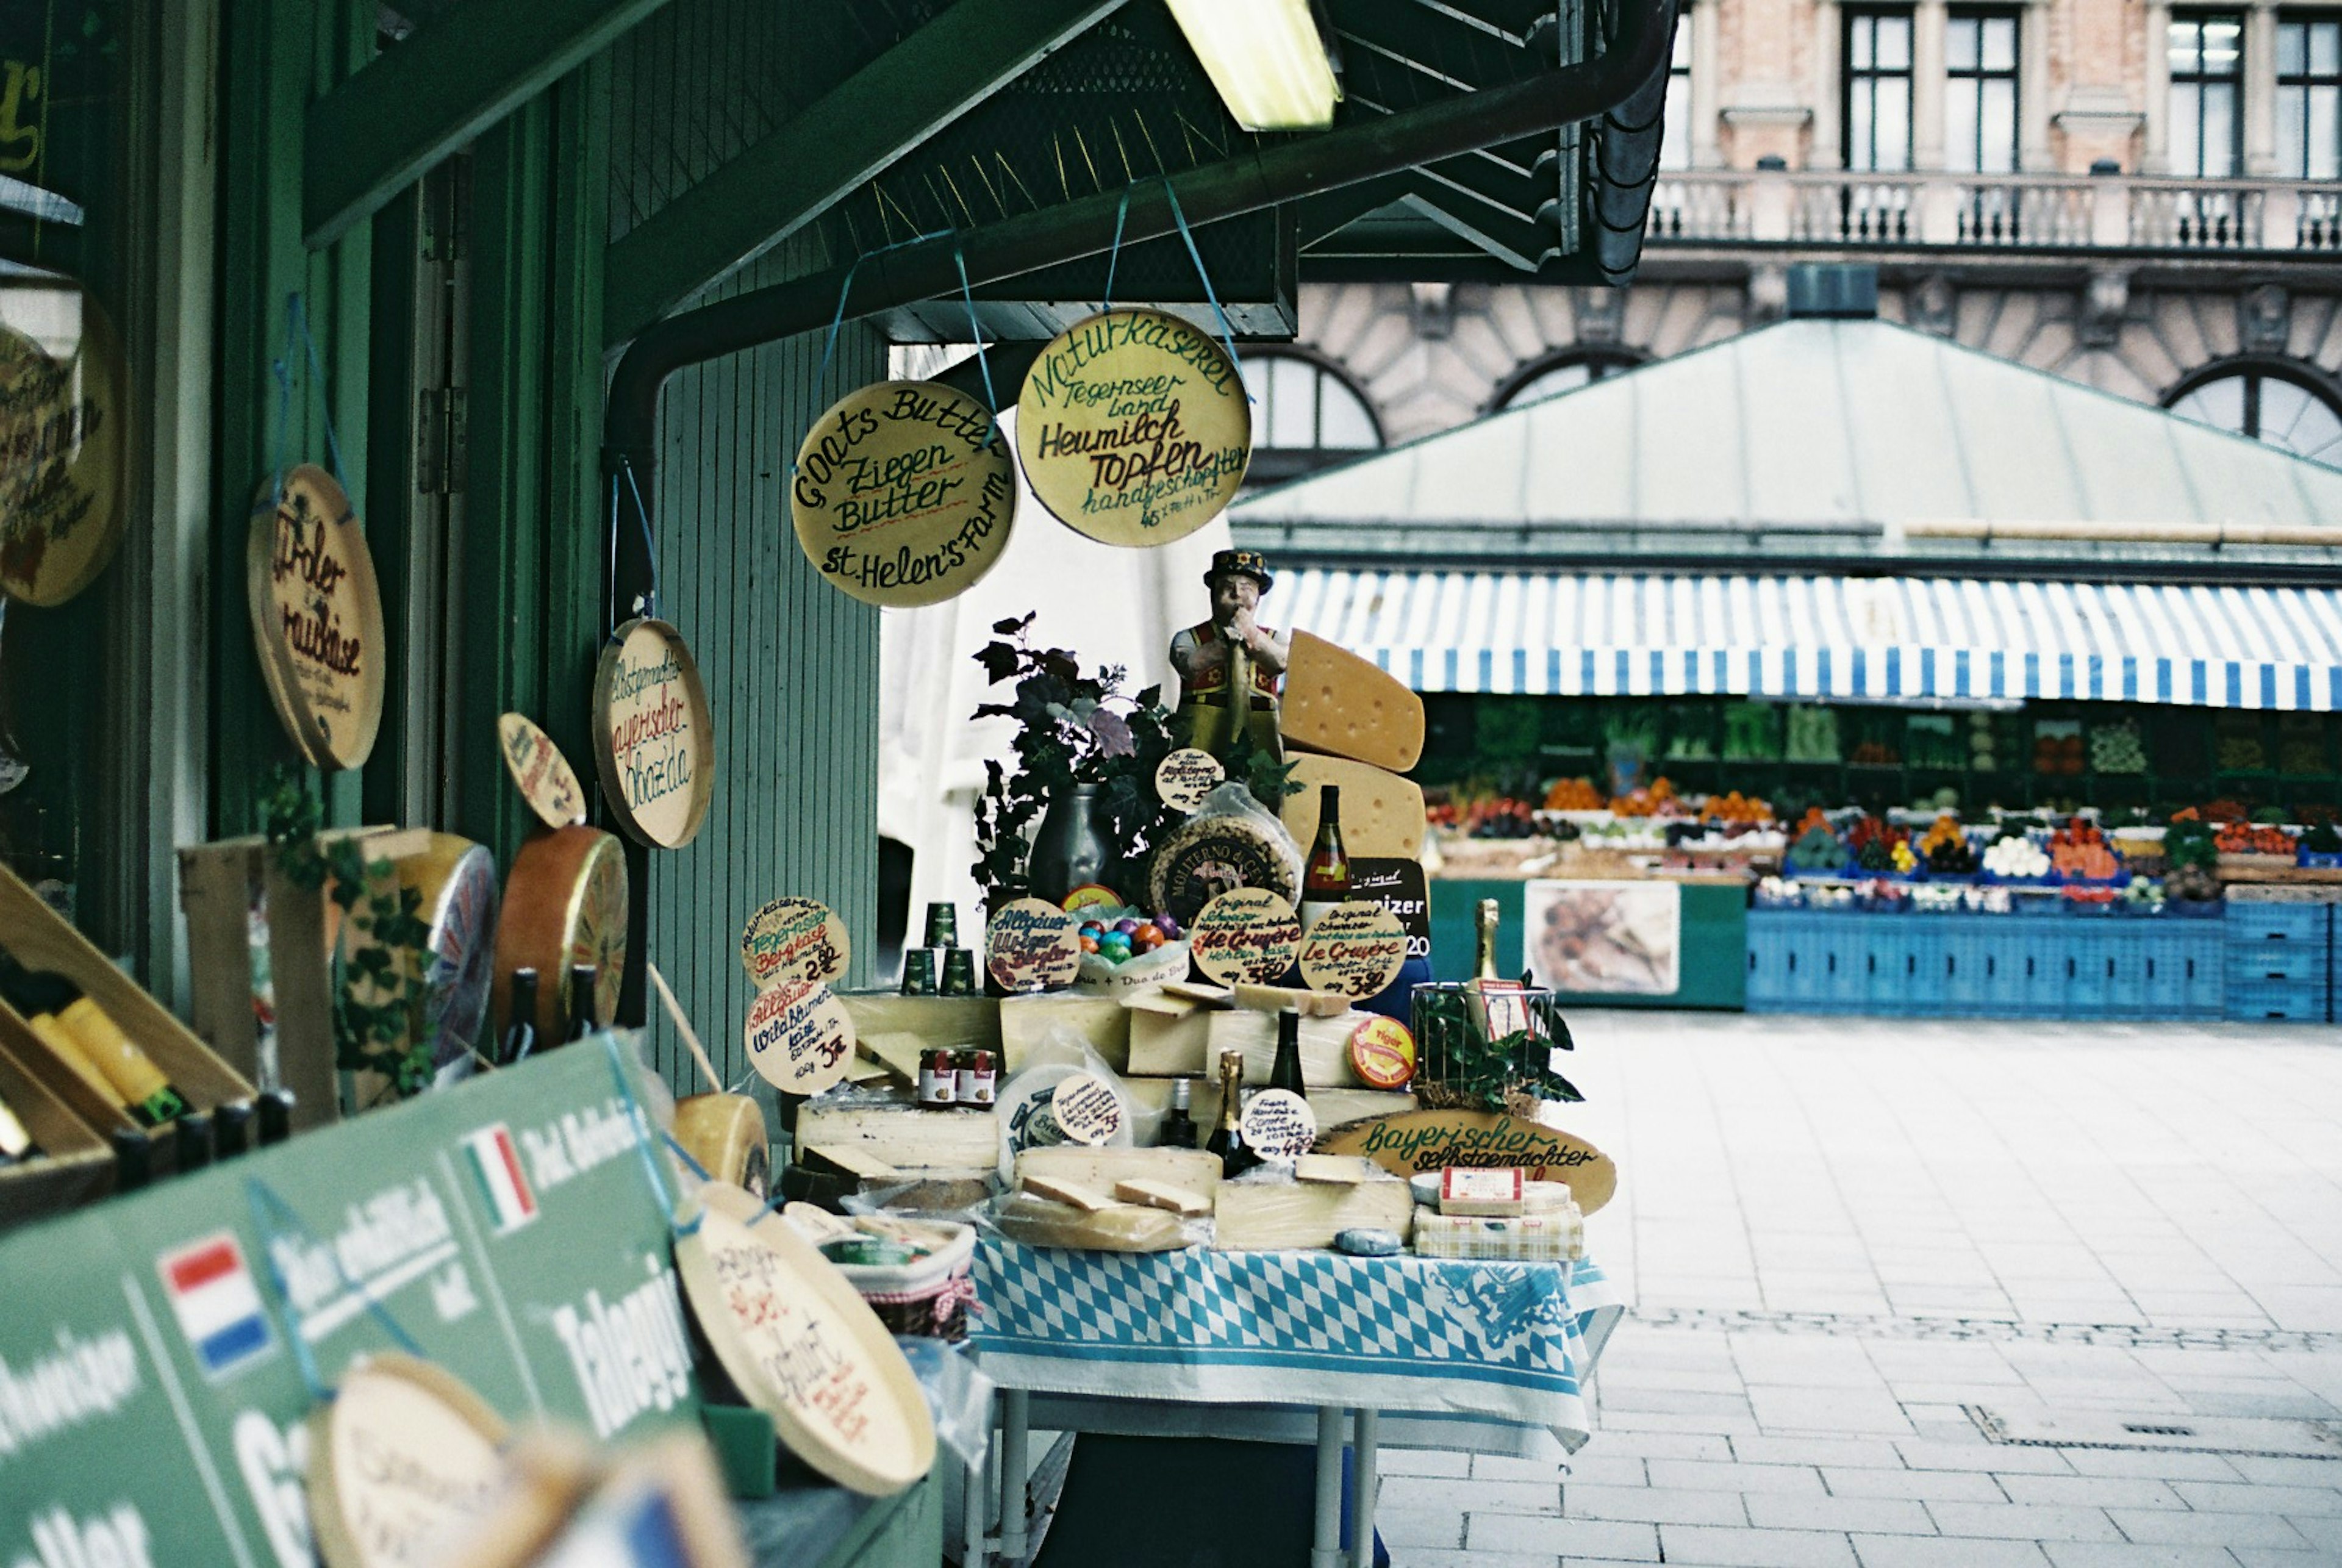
pixel 2080 855
pixel 1488 1049
pixel 1944 849
pixel 2256 847
pixel 2015 857
pixel 2321 847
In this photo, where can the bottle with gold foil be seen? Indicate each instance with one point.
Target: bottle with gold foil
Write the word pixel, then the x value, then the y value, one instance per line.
pixel 1227 1139
pixel 1484 953
pixel 55 1007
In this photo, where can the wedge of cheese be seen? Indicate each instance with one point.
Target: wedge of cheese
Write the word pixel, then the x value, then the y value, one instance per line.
pixel 1338 703
pixel 1382 814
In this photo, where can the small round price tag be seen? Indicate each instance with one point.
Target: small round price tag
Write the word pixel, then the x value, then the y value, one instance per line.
pixel 1185 777
pixel 799 1037
pixel 1033 945
pixel 543 776
pixel 1278 1124
pixel 1087 1110
pixel 1355 950
pixel 1245 937
pixel 1381 1051
pixel 795 939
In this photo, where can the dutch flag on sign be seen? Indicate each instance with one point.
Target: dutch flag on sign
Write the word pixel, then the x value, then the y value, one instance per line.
pixel 497 1165
pixel 217 1306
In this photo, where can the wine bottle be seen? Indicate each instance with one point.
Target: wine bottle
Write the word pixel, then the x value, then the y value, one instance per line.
pixel 232 1129
pixel 15 1144
pixel 191 1141
pixel 58 1011
pixel 275 1116
pixel 133 1160
pixel 1484 961
pixel 1178 1126
pixel 582 1021
pixel 1228 1138
pixel 1286 1072
pixel 520 1029
pixel 1326 878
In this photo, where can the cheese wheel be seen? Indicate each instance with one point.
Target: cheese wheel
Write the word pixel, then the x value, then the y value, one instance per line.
pixel 725 1133
pixel 1382 814
pixel 1338 703
pixel 564 904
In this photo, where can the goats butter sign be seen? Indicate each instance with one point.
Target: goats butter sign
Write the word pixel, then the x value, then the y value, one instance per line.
pixel 655 745
pixel 903 494
pixel 1134 428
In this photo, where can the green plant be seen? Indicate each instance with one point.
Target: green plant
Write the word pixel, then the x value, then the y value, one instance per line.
pixel 380 988
pixel 1461 1067
pixel 1072 728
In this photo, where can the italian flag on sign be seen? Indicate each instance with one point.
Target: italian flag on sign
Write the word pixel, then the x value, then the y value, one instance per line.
pixel 496 1164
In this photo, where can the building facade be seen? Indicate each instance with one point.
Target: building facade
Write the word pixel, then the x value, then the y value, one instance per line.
pixel 2143 198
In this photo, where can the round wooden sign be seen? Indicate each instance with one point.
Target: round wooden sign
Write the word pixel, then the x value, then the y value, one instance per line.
pixel 1134 427
pixel 1033 945
pixel 1382 1052
pixel 903 494
pixel 546 780
pixel 795 939
pixel 404 1461
pixel 1356 950
pixel 1087 1110
pixel 1245 937
pixel 654 738
pixel 1414 1141
pixel 61 488
pixel 456 880
pixel 317 616
pixel 1185 777
pixel 564 904
pixel 803 1346
pixel 799 1036
pixel 1278 1124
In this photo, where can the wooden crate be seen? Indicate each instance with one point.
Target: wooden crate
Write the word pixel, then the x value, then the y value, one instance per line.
pixel 75 1166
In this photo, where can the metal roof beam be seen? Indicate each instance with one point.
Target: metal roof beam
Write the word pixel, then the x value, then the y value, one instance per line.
pixel 845 138
pixel 376 134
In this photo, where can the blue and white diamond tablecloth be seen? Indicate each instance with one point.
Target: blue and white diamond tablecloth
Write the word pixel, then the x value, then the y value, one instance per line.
pixel 1503 1340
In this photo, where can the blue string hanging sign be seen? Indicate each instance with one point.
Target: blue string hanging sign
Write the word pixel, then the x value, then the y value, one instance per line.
pixel 1134 426
pixel 903 492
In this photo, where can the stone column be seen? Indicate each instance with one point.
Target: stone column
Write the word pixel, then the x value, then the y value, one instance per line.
pixel 1829 44
pixel 2033 150
pixel 1928 87
pixel 1707 94
pixel 2157 159
pixel 2260 89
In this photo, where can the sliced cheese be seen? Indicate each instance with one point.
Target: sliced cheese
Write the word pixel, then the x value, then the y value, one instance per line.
pixel 1342 1169
pixel 1089 1200
pixel 1382 814
pixel 1340 703
pixel 1162 1195
pixel 1277 998
pixel 848 1161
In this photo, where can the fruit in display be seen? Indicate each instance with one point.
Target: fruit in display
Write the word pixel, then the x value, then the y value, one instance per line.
pixel 1572 794
pixel 2079 850
pixel 2117 749
pixel 2014 855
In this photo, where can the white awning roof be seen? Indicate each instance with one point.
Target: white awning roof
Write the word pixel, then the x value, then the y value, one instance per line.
pixel 1875 638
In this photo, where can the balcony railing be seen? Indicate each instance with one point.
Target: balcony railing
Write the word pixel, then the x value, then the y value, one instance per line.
pixel 2012 212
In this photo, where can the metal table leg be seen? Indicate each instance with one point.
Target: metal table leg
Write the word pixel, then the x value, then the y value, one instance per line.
pixel 1328 1552
pixel 1363 1484
pixel 975 1502
pixel 1015 1474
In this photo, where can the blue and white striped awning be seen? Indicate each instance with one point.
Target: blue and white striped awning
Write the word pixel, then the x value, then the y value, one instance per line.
pixel 1563 633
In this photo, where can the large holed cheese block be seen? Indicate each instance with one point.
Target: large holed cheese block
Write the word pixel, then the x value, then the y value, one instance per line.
pixel 1340 703
pixel 1382 814
pixel 1262 1214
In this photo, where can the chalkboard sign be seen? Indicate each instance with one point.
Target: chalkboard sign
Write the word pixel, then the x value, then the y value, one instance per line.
pixel 507 1227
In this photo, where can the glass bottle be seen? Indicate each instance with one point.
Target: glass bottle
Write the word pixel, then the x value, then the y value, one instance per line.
pixel 1178 1126
pixel 582 1021
pixel 1326 878
pixel 1286 1072
pixel 191 1140
pixel 1484 960
pixel 520 1029
pixel 1228 1138
pixel 275 1116
pixel 133 1160
pixel 81 1034
pixel 232 1129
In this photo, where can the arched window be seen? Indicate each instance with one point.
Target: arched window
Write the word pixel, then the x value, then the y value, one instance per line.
pixel 2287 408
pixel 1305 416
pixel 1564 373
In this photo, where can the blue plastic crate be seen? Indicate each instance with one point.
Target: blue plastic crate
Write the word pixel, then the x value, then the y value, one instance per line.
pixel 2007 967
pixel 2125 947
pixel 2291 961
pixel 2081 950
pixel 2048 979
pixel 1967 965
pixel 2277 1001
pixel 1771 936
pixel 2276 923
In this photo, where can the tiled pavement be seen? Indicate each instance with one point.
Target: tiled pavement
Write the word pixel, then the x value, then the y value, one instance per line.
pixel 1854 1242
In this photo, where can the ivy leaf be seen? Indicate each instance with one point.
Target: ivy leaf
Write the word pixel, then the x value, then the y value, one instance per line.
pixel 1014 627
pixel 1113 734
pixel 999 660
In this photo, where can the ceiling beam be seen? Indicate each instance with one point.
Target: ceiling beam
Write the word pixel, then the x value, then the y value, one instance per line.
pixel 456 75
pixel 846 138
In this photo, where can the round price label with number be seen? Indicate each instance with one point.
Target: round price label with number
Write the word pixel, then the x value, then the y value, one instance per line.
pixel 1278 1124
pixel 795 939
pixel 1087 1110
pixel 544 776
pixel 1356 950
pixel 1381 1051
pixel 1033 945
pixel 1248 936
pixel 799 1037
pixel 1185 777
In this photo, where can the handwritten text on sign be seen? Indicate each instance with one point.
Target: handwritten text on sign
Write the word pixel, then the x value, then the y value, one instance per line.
pixel 1033 945
pixel 804 1358
pixel 799 1037
pixel 1355 950
pixel 1278 1124
pixel 1087 1110
pixel 1246 936
pixel 903 494
pixel 1134 428
pixel 654 723
pixel 322 612
pixel 544 775
pixel 793 939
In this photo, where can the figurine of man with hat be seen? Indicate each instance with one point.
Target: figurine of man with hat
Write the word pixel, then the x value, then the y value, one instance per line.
pixel 1231 642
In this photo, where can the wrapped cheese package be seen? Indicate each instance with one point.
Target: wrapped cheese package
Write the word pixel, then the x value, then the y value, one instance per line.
pixel 1038 1222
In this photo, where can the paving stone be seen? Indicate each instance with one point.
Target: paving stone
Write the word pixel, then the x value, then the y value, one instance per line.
pixel 1706 1445
pixel 1936 1552
pixel 1510 1467
pixel 1422 1461
pixel 2270 1469
pixel 1637 1542
pixel 1921 1455
pixel 1654 1505
pixel 1885 1515
pixel 2221 1497
pixel 1417 1526
pixel 1424 1557
pixel 1697 1475
pixel 1950 1485
pixel 1692 1544
pixel 1589 1468
pixel 1422 1492
pixel 1854 1452
pixel 2163 1464
pixel 1827 1409
pixel 2091 1490
pixel 2023 1521
pixel 2164 1525
pixel 2131 1554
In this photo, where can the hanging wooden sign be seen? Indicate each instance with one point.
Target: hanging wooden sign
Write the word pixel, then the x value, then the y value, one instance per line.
pixel 1355 950
pixel 457 881
pixel 317 616
pixel 795 939
pixel 803 1346
pixel 1247 936
pixel 903 494
pixel 654 738
pixel 1031 945
pixel 62 487
pixel 544 775
pixel 404 1461
pixel 1414 1141
pixel 799 1036
pixel 564 905
pixel 1186 776
pixel 1134 427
